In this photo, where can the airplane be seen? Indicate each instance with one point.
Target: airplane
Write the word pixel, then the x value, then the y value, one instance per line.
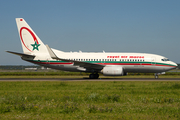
pixel 109 64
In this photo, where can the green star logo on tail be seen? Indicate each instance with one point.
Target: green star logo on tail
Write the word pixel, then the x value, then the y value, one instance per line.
pixel 35 46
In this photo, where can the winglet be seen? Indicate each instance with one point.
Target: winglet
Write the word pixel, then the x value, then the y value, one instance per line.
pixel 78 63
pixel 51 53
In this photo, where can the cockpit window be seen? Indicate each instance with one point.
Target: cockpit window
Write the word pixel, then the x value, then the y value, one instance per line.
pixel 165 59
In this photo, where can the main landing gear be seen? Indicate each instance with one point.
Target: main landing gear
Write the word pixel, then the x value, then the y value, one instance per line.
pixel 94 76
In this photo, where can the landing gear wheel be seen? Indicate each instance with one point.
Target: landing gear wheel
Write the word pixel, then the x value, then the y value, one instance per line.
pixel 156 75
pixel 94 76
pixel 91 76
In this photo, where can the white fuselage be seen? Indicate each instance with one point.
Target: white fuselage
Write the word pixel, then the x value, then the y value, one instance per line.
pixel 130 62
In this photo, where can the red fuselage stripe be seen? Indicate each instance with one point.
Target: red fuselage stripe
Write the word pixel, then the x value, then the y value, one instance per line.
pixel 70 63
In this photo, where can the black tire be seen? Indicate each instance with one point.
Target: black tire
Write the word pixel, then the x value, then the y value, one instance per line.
pixel 91 76
pixel 94 76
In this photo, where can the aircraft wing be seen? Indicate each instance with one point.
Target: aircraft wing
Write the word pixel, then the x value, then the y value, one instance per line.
pixel 21 54
pixel 79 63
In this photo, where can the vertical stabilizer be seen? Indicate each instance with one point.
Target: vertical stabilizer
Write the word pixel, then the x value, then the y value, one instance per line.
pixel 31 43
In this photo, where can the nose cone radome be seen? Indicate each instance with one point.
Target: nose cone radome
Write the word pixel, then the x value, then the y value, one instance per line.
pixel 173 64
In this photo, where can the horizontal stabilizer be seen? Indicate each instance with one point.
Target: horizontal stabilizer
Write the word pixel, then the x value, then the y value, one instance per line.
pixel 21 54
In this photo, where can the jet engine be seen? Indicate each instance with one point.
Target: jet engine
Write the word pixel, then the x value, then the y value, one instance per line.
pixel 113 71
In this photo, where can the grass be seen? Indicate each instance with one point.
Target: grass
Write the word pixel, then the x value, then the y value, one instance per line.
pixel 90 100
pixel 63 74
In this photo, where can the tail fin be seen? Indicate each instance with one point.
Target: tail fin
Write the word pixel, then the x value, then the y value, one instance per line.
pixel 31 43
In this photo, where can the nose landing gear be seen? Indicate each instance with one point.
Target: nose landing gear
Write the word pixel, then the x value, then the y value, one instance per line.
pixel 156 75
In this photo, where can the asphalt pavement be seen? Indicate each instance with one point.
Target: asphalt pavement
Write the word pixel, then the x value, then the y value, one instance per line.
pixel 87 79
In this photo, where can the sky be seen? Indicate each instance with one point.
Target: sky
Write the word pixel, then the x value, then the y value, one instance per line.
pixel 145 26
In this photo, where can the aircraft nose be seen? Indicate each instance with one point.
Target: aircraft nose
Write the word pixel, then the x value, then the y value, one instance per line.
pixel 174 64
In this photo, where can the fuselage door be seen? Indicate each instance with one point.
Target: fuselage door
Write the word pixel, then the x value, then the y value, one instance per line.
pixel 48 61
pixel 153 61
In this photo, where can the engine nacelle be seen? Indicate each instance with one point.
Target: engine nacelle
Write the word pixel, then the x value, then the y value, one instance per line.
pixel 113 71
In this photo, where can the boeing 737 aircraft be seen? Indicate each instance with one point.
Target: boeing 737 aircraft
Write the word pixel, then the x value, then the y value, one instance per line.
pixel 109 64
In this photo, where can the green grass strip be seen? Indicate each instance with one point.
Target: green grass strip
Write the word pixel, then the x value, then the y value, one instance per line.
pixel 90 100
